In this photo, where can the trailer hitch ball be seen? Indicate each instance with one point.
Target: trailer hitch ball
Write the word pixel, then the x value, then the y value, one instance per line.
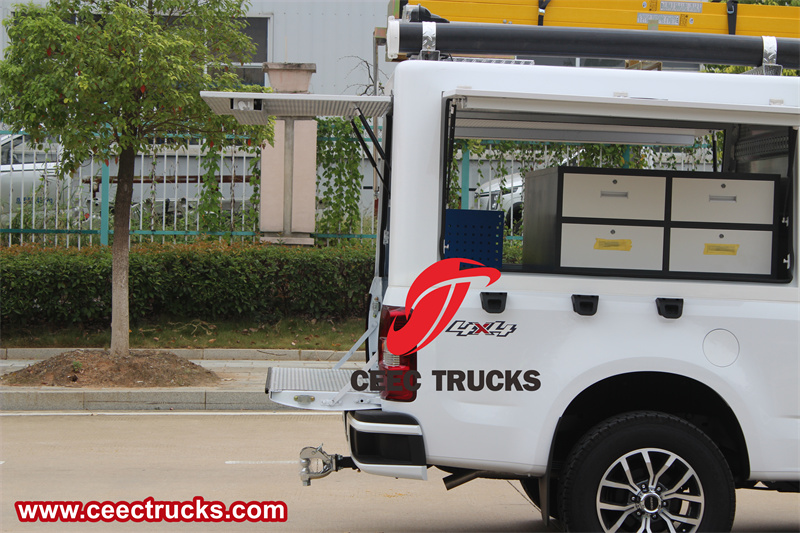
pixel 330 463
pixel 306 472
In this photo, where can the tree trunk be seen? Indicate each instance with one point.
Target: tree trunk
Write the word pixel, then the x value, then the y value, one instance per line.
pixel 120 316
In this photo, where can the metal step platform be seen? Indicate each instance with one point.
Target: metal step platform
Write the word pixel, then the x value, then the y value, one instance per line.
pixel 322 389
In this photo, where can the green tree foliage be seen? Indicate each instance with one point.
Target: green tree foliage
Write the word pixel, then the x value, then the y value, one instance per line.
pixel 110 76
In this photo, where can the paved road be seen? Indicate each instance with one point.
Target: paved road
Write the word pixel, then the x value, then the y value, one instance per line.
pixel 230 457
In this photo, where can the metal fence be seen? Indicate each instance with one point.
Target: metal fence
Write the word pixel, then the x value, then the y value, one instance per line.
pixel 36 205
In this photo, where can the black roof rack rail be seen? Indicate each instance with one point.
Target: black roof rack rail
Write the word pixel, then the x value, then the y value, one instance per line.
pixel 516 40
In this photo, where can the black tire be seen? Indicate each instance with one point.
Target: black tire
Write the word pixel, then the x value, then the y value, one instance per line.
pixel 690 485
pixel 531 487
pixel 514 218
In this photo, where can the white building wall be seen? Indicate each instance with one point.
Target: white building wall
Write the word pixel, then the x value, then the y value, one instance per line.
pixel 334 34
pixel 5 12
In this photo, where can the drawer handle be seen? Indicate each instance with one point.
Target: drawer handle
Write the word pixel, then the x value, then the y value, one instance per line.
pixel 671 308
pixel 613 194
pixel 617 245
pixel 493 302
pixel 584 304
pixel 713 248
pixel 721 198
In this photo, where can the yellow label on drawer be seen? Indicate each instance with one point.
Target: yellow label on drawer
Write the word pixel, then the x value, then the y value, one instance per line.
pixel 619 245
pixel 721 249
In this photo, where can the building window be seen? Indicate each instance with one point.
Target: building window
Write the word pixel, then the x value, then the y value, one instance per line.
pixel 257 29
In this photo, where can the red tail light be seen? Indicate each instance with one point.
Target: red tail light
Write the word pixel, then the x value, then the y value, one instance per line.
pixel 395 367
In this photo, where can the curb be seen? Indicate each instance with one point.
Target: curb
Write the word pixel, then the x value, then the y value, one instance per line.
pixel 228 354
pixel 189 399
pixel 242 393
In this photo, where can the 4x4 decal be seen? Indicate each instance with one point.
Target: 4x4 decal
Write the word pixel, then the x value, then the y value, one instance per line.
pixel 463 328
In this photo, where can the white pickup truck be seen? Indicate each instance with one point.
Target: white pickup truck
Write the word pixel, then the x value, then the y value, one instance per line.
pixel 639 359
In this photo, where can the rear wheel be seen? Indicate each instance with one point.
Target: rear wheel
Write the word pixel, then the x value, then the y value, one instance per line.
pixel 647 471
pixel 531 487
pixel 514 218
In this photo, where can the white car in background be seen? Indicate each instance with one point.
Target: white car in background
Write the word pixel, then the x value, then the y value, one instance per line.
pixel 506 193
pixel 24 169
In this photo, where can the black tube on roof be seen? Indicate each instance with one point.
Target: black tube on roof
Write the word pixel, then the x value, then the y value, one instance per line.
pixel 505 39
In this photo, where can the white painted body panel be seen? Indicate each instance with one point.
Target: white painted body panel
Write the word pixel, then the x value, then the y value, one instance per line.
pixel 512 431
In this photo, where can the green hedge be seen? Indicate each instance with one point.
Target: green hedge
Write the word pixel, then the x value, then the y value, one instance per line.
pixel 203 280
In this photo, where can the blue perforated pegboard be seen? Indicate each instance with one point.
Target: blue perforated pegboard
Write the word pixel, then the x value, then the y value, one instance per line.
pixel 476 235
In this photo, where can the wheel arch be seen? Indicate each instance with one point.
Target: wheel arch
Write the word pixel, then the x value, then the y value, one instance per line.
pixel 669 393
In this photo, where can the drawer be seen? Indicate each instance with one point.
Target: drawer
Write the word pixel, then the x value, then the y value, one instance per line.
pixel 606 246
pixel 614 196
pixel 721 200
pixel 720 251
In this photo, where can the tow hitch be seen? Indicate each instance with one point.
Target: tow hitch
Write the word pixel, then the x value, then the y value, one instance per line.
pixel 329 463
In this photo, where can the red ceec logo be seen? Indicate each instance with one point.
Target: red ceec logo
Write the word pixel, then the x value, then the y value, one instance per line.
pixel 435 296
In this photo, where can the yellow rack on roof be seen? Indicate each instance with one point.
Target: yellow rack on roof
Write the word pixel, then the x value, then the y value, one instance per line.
pixel 661 15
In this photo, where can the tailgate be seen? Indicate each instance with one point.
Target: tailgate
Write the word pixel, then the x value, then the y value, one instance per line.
pixel 323 389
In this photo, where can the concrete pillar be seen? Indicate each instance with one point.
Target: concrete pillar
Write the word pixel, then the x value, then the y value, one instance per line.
pixel 289 168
